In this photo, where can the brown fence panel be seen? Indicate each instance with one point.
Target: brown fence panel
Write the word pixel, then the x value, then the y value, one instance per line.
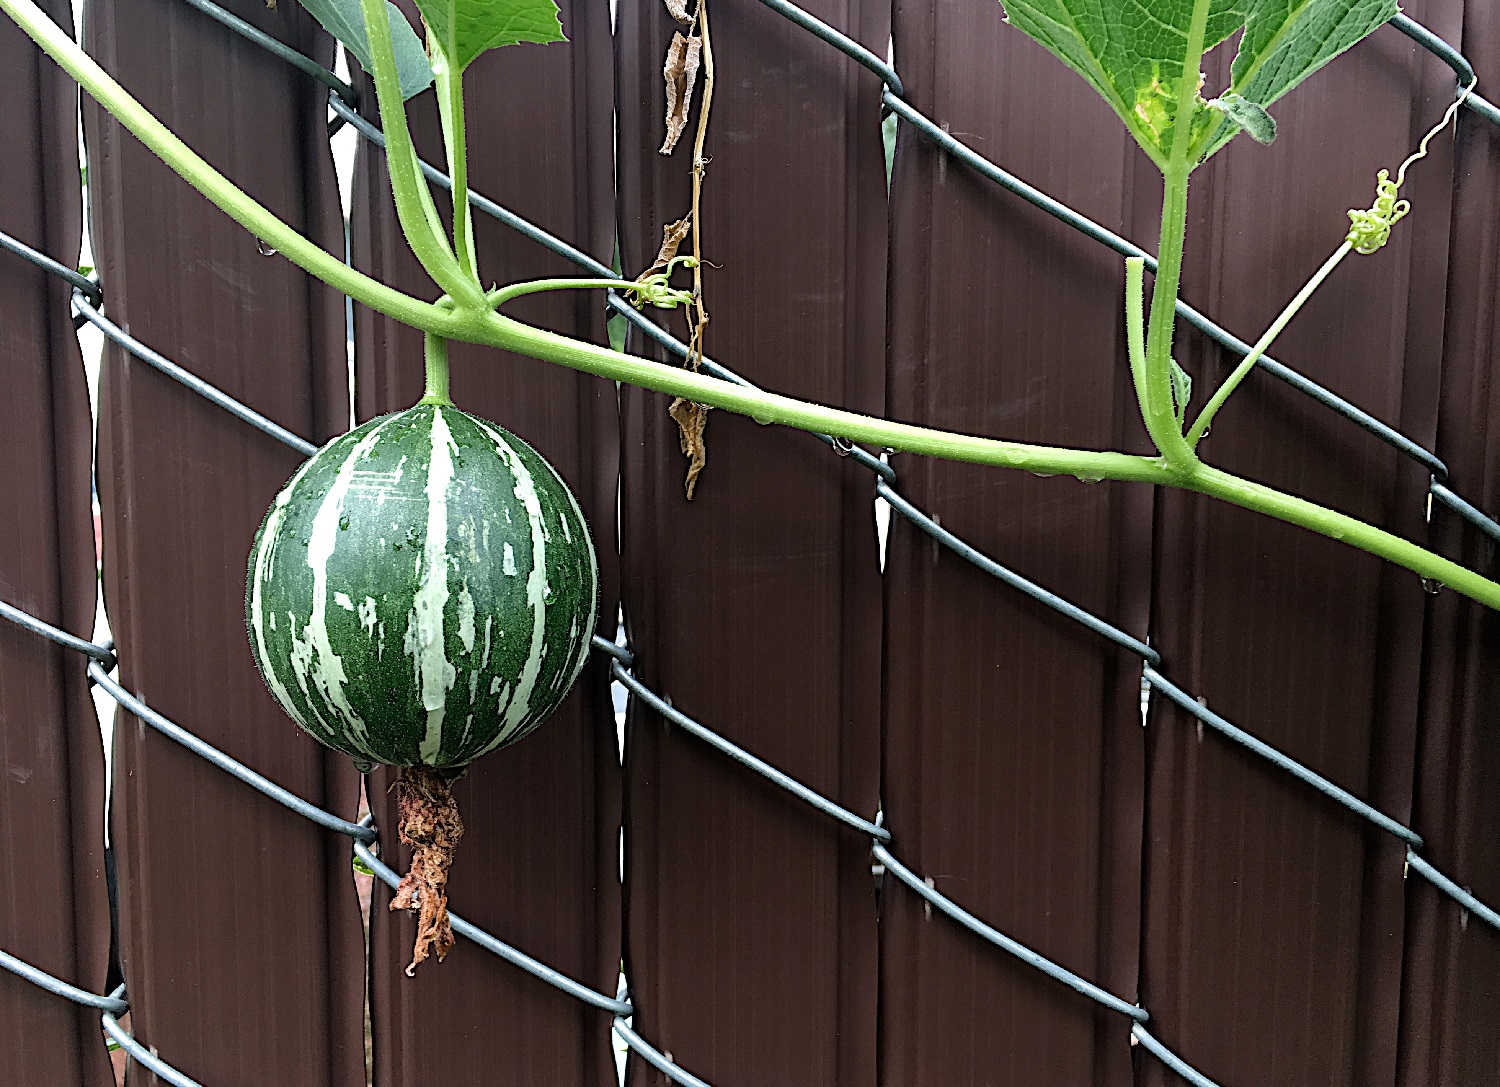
pixel 539 865
pixel 1450 1036
pixel 53 914
pixel 750 918
pixel 240 933
pixel 1273 947
pixel 1012 735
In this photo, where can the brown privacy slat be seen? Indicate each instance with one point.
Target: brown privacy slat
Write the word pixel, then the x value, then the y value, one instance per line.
pixel 1273 916
pixel 750 918
pixel 53 909
pixel 539 863
pixel 1450 1034
pixel 240 933
pixel 1012 735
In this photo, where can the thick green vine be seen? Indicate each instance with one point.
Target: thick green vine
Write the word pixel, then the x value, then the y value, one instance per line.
pixel 467 312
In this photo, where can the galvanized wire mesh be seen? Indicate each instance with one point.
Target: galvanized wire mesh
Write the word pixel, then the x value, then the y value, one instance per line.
pixel 88 306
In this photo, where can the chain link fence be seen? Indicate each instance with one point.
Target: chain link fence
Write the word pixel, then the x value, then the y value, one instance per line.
pixel 89 307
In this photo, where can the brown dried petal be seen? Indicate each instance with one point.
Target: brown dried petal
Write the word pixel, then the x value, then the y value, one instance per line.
pixel 680 73
pixel 691 421
pixel 672 237
pixel 677 9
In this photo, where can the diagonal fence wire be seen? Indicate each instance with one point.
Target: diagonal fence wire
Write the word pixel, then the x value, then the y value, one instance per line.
pixel 88 300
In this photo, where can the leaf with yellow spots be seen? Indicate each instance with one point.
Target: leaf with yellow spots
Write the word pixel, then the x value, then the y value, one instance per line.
pixel 1134 52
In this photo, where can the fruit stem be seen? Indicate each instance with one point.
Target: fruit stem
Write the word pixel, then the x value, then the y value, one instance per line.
pixel 435 350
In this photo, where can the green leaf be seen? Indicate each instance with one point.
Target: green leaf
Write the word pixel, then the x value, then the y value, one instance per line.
pixel 463 29
pixel 1286 41
pixel 1132 51
pixel 1182 392
pixel 1257 123
pixel 343 19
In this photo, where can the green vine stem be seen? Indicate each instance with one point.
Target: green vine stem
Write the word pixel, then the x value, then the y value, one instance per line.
pixel 471 324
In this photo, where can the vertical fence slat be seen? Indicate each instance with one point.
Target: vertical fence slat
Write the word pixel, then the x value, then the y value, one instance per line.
pixel 1273 917
pixel 1450 1036
pixel 53 910
pixel 1012 735
pixel 240 935
pixel 750 918
pixel 539 863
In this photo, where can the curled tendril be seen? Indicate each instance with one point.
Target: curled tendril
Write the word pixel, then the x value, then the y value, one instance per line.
pixel 655 290
pixel 1371 229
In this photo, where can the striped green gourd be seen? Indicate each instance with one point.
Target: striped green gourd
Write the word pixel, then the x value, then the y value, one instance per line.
pixel 422 591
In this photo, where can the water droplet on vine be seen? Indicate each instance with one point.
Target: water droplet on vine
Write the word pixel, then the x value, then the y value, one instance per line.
pixel 1432 585
pixel 364 766
pixel 1044 475
pixel 1088 479
pixel 763 420
pixel 264 248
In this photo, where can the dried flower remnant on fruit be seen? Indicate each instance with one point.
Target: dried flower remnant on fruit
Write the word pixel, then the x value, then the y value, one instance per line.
pixel 677 9
pixel 430 825
pixel 680 73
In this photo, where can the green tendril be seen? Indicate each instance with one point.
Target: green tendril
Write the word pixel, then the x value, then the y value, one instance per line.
pixel 657 291
pixel 1371 229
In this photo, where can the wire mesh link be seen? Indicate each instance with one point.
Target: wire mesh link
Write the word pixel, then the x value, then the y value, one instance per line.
pixel 1459 894
pixel 155 359
pixel 1279 759
pixel 664 707
pixel 1005 943
pixel 80 282
pixel 88 299
pixel 58 987
pixel 224 762
pixel 102 653
pixel 1149 1043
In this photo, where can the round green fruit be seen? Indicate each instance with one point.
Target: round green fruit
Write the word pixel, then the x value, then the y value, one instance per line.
pixel 422 591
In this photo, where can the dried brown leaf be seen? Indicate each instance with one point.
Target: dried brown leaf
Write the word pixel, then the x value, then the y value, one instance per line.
pixel 672 237
pixel 680 72
pixel 677 9
pixel 691 421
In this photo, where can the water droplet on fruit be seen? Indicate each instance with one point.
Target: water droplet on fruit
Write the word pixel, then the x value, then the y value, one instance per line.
pixel 264 248
pixel 1432 586
pixel 1044 475
pixel 395 547
pixel 364 766
pixel 343 524
pixel 1088 479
